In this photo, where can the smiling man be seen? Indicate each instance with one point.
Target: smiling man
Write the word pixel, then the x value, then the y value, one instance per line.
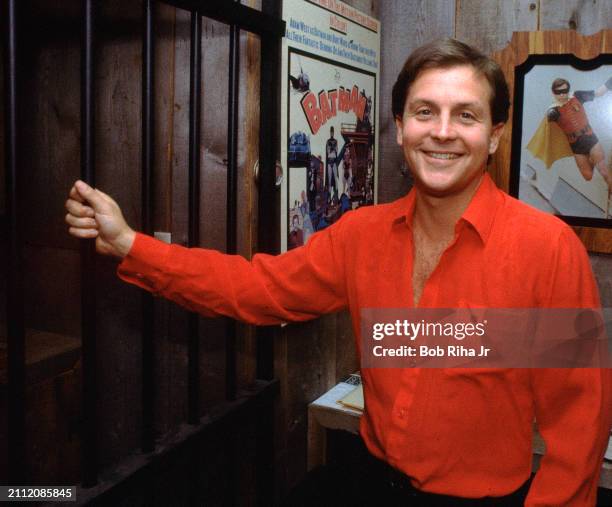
pixel 447 133
pixel 447 437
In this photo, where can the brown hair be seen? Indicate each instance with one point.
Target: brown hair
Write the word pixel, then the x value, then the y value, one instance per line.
pixel 558 83
pixel 446 53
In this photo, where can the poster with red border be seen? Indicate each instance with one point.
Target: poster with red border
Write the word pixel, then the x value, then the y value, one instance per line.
pixel 329 115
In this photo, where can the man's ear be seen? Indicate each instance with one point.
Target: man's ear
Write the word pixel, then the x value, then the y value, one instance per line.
pixel 496 134
pixel 399 125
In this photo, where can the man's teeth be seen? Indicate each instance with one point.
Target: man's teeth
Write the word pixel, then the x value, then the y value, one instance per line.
pixel 444 156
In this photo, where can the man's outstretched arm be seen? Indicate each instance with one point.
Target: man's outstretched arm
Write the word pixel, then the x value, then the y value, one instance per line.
pixel 299 285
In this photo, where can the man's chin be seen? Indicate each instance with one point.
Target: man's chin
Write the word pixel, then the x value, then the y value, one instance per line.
pixel 437 189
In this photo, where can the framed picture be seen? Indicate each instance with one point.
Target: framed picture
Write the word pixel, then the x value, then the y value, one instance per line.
pixel 330 155
pixel 561 158
pixel 329 112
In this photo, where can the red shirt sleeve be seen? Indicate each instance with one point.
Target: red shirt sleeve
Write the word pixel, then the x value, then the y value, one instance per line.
pixel 298 285
pixel 573 406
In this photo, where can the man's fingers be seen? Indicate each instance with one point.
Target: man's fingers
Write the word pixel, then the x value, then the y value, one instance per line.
pixel 82 223
pixel 94 197
pixel 79 210
pixel 83 233
pixel 74 194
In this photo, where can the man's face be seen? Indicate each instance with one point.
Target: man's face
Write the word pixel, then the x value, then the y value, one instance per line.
pixel 446 132
pixel 561 93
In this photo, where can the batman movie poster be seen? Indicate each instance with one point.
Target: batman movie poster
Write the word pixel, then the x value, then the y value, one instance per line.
pixel 331 143
pixel 330 116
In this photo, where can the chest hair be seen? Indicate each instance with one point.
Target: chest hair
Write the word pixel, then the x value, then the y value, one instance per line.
pixel 427 253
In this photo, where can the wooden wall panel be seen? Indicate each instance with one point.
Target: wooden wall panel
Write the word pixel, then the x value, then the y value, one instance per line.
pixel 489 25
pixel 603 273
pixel 118 161
pixel 171 114
pixel 49 119
pixel 404 27
pixel 248 154
pixel 586 17
pixel 213 160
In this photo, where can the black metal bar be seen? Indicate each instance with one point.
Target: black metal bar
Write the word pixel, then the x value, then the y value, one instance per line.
pixel 89 455
pixel 232 196
pixel 148 309
pixel 195 70
pixel 234 13
pixel 15 299
pixel 268 202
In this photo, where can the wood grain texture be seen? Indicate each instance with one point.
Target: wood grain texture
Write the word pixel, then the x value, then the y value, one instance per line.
pixel 585 16
pixel 118 166
pixel 603 275
pixel 551 42
pixel 404 27
pixel 248 135
pixel 489 25
pixel 213 193
pixel 347 361
pixel 171 322
pixel 48 130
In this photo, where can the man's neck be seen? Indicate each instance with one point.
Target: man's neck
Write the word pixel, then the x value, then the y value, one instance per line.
pixel 435 217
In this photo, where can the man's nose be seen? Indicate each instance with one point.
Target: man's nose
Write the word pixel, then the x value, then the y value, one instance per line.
pixel 443 128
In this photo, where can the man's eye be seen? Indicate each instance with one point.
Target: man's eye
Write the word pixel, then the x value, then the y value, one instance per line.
pixel 467 116
pixel 423 113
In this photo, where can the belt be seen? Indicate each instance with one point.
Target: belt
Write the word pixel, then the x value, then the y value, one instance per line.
pixel 573 136
pixel 400 482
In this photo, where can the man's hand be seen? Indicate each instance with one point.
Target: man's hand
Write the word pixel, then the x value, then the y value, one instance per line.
pixel 93 214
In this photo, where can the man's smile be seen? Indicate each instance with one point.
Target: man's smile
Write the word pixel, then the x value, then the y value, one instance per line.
pixel 442 155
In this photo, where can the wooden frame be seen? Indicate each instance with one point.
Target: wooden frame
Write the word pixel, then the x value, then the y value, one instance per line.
pixel 522 45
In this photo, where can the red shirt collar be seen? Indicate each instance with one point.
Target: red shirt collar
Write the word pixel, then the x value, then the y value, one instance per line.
pixel 479 214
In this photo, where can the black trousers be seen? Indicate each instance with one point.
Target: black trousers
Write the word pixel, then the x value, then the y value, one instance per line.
pixel 372 483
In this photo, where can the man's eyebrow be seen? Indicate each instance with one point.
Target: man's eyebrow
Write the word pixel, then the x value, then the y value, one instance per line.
pixel 418 100
pixel 459 105
pixel 470 105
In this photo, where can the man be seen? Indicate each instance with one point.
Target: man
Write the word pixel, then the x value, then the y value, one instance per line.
pixel 331 165
pixel 435 436
pixel 347 172
pixel 575 135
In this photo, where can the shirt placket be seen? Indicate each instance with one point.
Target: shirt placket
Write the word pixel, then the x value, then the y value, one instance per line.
pixel 404 419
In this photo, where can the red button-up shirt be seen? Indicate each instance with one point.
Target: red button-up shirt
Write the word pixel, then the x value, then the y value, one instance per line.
pixel 453 431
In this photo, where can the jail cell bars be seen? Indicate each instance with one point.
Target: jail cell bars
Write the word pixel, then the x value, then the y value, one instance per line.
pixel 268 26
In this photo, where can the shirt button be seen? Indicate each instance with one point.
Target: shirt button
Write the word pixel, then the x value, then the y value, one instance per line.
pixel 401 413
